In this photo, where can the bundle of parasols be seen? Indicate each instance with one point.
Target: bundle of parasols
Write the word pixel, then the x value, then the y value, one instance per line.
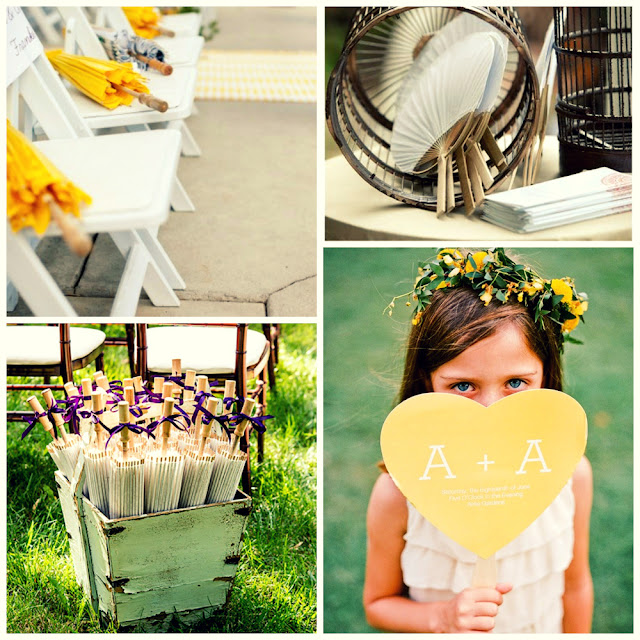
pixel 444 106
pixel 147 451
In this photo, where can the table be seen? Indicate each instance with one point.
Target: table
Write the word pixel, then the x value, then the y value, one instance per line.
pixel 355 210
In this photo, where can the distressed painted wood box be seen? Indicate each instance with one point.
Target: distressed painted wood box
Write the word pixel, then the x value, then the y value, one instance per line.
pixel 142 570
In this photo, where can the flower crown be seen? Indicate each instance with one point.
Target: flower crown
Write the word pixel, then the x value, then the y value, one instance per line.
pixel 494 275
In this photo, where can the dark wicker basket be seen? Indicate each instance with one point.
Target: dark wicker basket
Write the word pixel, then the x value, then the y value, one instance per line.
pixel 593 46
pixel 379 49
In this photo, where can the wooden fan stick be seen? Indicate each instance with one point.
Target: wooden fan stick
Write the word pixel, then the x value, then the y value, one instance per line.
pixel 247 408
pixel 451 196
pixel 489 144
pixel 441 193
pixel 542 126
pixel 75 238
pixel 43 420
pixel 476 182
pixel 465 184
pixel 57 418
pixel 484 573
pixel 479 163
pixel 145 98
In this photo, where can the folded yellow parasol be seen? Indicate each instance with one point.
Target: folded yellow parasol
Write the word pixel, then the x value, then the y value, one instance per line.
pixel 107 82
pixel 37 191
pixel 144 21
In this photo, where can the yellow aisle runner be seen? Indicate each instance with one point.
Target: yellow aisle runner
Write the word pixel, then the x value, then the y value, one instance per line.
pixel 263 76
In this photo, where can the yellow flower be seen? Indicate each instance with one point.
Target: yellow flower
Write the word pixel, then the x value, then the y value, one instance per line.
pixel 478 258
pixel 449 255
pixel 562 288
pixel 577 308
pixel 487 295
pixel 531 288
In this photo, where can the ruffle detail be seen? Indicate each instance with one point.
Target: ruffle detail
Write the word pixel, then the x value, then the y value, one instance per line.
pixel 534 563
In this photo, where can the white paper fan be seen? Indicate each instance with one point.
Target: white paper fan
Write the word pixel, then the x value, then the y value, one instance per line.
pixel 445 95
pixel 463 25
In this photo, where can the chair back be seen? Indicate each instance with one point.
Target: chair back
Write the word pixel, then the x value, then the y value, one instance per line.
pixel 82 34
pixel 34 84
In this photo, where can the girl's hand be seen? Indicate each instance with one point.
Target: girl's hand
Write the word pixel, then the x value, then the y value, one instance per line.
pixel 474 610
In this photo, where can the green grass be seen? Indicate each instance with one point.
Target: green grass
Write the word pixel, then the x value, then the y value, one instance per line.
pixel 363 358
pixel 275 586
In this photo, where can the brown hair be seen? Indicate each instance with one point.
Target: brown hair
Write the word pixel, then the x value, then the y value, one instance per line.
pixel 457 319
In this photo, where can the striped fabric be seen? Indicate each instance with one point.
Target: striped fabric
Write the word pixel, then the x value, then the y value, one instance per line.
pixel 263 76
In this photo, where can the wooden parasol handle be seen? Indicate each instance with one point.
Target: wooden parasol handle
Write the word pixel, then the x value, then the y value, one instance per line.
pixel 164 68
pixel 158 384
pixel 75 238
pixel 97 398
pixel 229 392
pixel 167 410
pixel 123 416
pixel 145 98
pixel 167 390
pixel 189 381
pixel 49 399
pixel 247 408
pixel 44 421
pixel 163 31
pixel 212 405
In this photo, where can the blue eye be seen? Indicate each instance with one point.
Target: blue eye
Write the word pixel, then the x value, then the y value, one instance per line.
pixel 515 383
pixel 462 386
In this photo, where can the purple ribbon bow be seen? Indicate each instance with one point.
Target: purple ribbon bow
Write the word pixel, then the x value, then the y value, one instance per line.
pixel 32 422
pixel 136 428
pixel 257 421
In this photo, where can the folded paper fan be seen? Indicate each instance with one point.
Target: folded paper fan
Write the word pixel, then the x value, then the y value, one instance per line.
pixel 456 30
pixel 441 104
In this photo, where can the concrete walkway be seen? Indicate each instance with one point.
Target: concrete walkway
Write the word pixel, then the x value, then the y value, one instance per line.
pixel 249 249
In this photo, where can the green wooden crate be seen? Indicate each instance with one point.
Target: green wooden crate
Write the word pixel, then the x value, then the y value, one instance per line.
pixel 142 570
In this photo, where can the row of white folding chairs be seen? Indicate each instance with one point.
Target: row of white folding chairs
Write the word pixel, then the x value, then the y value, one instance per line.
pixel 129 205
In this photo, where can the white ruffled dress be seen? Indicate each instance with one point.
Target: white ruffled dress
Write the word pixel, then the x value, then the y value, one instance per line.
pixel 434 567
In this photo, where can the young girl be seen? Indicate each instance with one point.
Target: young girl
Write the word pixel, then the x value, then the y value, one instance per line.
pixel 484 328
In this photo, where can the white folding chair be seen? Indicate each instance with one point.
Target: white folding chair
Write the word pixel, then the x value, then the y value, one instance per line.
pixel 178 90
pixel 129 202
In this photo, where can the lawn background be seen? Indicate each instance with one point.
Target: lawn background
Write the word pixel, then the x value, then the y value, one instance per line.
pixel 363 359
pixel 275 585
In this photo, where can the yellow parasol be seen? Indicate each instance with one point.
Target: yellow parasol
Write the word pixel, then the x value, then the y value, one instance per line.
pixel 144 21
pixel 37 192
pixel 107 82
